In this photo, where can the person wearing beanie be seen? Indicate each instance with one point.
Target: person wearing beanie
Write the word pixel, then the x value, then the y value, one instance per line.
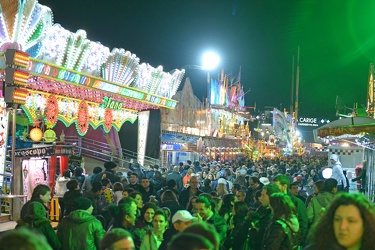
pixel 87 184
pixel 80 229
pixel 108 173
pixel 36 220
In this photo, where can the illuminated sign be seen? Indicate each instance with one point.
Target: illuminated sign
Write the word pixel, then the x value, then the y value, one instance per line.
pixel 308 122
pixel 109 103
pixel 71 76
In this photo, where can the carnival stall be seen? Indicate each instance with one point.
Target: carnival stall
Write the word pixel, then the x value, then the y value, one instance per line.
pixel 353 140
pixel 59 75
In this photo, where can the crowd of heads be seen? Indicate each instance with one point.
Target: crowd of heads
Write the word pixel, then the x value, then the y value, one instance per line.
pixel 236 191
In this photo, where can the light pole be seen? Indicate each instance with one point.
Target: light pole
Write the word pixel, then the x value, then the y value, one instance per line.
pixel 210 61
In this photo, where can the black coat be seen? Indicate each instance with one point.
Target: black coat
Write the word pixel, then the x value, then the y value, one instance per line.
pixel 173 206
pixel 109 175
pixel 184 196
pixel 26 205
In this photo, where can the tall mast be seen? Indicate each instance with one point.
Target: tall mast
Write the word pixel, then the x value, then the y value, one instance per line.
pixel 297 88
pixel 292 90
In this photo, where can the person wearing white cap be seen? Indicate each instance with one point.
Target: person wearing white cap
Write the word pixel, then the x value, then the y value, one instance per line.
pixel 337 172
pixel 180 220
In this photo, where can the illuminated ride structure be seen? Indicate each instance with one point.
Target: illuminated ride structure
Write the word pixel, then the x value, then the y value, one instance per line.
pixel 217 129
pixel 60 75
pixel 284 135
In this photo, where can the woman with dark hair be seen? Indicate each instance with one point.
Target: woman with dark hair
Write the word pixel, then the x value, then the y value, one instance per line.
pixel 147 214
pixel 191 204
pixel 236 232
pixel 226 209
pixel 169 200
pixel 281 233
pixel 124 216
pixel 203 176
pixel 154 237
pixel 348 223
pixel 137 196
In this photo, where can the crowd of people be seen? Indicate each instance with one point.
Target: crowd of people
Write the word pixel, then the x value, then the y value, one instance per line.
pixel 279 203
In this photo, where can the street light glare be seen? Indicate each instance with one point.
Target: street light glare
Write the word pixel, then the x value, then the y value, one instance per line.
pixel 210 60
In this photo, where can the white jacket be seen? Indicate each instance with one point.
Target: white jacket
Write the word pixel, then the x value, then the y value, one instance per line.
pixel 60 186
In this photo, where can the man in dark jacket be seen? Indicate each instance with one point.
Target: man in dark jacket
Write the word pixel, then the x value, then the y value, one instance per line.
pixel 206 211
pixel 189 192
pixel 41 194
pixel 133 182
pixel 69 197
pixel 175 175
pixel 94 195
pixel 146 189
pixel 108 173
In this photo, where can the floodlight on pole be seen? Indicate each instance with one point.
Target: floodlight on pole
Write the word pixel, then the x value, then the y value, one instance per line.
pixel 210 61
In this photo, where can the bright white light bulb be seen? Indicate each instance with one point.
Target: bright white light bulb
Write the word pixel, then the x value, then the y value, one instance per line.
pixel 210 60
pixel 327 173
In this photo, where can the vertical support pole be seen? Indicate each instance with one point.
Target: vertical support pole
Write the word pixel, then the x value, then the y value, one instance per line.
pixel 143 120
pixel 17 177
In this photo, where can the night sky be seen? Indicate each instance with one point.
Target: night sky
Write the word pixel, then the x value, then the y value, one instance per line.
pixel 336 39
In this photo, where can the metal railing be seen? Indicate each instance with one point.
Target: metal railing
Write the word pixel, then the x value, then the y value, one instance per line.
pixel 103 152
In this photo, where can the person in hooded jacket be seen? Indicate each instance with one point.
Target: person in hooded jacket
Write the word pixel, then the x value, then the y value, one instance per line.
pixel 80 229
pixel 281 233
pixel 338 173
pixel 36 220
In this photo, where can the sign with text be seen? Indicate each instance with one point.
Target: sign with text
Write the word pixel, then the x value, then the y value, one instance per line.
pixel 71 76
pixel 43 151
pixel 308 122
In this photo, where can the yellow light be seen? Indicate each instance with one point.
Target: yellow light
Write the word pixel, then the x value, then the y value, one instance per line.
pixel 19 96
pixel 16 57
pixel 21 77
pixel 16 76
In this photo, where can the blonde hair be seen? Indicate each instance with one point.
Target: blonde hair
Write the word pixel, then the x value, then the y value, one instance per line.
pixel 221 189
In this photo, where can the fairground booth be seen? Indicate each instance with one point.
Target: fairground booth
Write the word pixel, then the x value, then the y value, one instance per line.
pixel 62 79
